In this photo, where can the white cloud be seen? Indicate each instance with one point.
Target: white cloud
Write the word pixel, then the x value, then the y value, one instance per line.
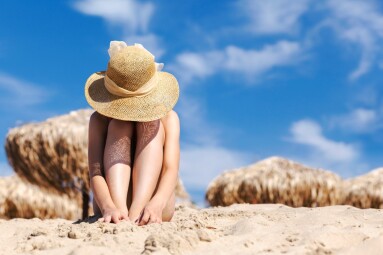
pixel 359 23
pixel 359 120
pixel 201 164
pixel 345 169
pixel 322 152
pixel 17 93
pixel 367 95
pixel 132 15
pixel 273 16
pixel 308 132
pixel 189 66
pixel 255 62
pixel 250 63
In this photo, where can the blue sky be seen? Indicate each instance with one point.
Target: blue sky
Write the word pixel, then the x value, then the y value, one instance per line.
pixel 298 79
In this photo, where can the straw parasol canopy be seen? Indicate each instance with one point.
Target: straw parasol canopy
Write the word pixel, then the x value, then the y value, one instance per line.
pixel 275 180
pixel 20 199
pixel 54 155
pixel 365 191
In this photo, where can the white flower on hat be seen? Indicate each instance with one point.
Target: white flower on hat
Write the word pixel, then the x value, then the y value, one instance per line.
pixel 116 46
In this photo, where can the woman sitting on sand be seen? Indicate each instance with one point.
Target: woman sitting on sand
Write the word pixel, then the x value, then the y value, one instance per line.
pixel 134 150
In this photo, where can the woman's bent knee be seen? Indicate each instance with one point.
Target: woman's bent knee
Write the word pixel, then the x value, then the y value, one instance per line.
pixel 122 126
pixel 98 118
pixel 148 128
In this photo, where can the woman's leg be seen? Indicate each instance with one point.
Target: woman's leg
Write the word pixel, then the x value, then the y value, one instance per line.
pixel 117 161
pixel 168 212
pixel 147 164
pixel 98 127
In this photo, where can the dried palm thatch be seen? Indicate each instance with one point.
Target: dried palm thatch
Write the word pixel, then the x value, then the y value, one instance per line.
pixel 276 180
pixel 365 191
pixel 20 199
pixel 54 155
pixel 182 197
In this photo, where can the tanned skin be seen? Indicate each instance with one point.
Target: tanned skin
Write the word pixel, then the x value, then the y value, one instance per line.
pixel 133 168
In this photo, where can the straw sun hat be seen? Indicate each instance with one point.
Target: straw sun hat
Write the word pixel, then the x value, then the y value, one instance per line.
pixel 133 86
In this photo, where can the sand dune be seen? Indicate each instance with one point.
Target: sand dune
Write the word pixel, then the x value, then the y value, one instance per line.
pixel 237 229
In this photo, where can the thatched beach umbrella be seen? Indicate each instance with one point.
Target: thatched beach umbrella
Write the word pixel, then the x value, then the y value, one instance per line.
pixel 365 191
pixel 20 199
pixel 276 180
pixel 54 155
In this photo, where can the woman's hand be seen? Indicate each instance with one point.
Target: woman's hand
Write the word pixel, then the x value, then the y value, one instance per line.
pixel 112 214
pixel 152 212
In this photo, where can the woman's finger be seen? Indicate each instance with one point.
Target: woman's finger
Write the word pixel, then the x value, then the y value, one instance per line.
pixel 139 217
pixel 115 219
pixel 154 219
pixel 145 219
pixel 151 220
pixel 124 216
pixel 108 218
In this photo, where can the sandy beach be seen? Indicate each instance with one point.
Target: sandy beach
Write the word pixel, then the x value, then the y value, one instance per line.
pixel 237 229
pixel 261 120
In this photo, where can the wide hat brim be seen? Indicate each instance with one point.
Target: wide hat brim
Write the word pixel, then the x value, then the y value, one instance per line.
pixel 152 106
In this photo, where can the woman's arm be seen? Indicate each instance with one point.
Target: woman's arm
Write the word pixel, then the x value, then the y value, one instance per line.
pixel 169 174
pixel 170 166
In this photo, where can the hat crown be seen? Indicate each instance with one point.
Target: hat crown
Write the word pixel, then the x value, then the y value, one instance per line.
pixel 131 68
